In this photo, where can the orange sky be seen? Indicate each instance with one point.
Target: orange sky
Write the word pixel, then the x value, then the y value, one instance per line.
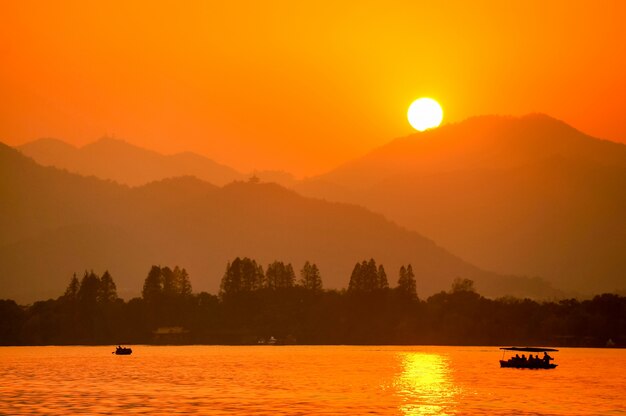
pixel 299 85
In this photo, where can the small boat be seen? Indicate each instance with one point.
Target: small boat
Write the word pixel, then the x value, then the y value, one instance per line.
pixel 119 350
pixel 530 362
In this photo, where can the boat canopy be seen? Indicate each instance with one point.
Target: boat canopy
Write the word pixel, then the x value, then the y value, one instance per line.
pixel 528 349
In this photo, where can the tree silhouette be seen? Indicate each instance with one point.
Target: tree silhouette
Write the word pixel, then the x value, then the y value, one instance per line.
pixel 382 278
pixel 366 277
pixel 11 322
pixel 242 275
pixel 279 276
pixel 170 284
pixel 107 292
pixel 71 293
pixel 356 279
pixel 184 284
pixel 462 285
pixel 406 282
pixel 371 279
pixel 310 277
pixel 89 289
pixel 368 314
pixel 153 285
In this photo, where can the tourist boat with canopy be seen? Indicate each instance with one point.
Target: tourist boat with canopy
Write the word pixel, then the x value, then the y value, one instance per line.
pixel 530 362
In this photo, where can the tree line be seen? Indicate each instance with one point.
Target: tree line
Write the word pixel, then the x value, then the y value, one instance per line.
pixel 254 305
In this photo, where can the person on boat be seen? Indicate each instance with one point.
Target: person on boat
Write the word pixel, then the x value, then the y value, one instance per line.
pixel 524 360
pixel 546 358
pixel 536 360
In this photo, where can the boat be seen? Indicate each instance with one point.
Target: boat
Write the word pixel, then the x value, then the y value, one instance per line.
pixel 532 363
pixel 119 350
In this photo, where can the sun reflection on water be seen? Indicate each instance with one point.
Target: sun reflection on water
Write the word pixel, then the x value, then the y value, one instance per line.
pixel 425 385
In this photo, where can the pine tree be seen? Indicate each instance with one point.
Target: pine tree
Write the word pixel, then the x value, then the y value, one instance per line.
pixel 89 288
pixel 184 284
pixel 71 293
pixel 170 284
pixel 371 276
pixel 382 278
pixel 412 283
pixel 272 275
pixel 252 275
pixel 153 285
pixel 310 277
pixel 279 276
pixel 367 277
pixel 356 279
pixel 402 276
pixel 289 277
pixel 107 292
pixel 231 281
pixel 242 275
pixel 406 282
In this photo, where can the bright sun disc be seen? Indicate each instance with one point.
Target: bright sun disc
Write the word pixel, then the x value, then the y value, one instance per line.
pixel 424 114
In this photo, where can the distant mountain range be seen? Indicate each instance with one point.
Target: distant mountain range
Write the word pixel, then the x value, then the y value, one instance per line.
pixel 56 223
pixel 527 195
pixel 120 161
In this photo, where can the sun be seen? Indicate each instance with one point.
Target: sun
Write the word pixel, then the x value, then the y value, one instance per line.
pixel 424 114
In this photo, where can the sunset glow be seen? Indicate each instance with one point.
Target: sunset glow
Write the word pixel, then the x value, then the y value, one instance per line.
pixel 299 86
pixel 312 207
pixel 424 114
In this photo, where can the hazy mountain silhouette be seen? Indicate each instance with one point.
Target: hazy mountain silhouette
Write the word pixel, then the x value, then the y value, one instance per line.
pixel 55 223
pixel 528 195
pixel 125 163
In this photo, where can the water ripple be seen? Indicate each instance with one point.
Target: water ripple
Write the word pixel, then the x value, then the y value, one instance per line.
pixel 305 380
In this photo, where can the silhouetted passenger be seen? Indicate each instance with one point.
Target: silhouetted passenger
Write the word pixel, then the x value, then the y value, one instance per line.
pixel 546 358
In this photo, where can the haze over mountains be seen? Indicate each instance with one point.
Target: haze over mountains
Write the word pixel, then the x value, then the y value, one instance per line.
pixel 521 196
pixel 56 223
pixel 120 161
pixel 530 195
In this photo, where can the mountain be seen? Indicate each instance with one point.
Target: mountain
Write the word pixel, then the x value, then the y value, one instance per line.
pixel 58 223
pixel 527 195
pixel 125 163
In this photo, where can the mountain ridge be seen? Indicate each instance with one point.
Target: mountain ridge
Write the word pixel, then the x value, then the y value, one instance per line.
pixel 499 191
pixel 500 179
pixel 129 164
pixel 126 163
pixel 486 134
pixel 185 221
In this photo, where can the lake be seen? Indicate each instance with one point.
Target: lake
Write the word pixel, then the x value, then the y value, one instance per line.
pixel 306 380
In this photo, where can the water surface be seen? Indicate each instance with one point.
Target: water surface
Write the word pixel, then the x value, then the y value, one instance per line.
pixel 306 380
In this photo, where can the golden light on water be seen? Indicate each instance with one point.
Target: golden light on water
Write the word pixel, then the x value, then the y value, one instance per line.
pixel 425 385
